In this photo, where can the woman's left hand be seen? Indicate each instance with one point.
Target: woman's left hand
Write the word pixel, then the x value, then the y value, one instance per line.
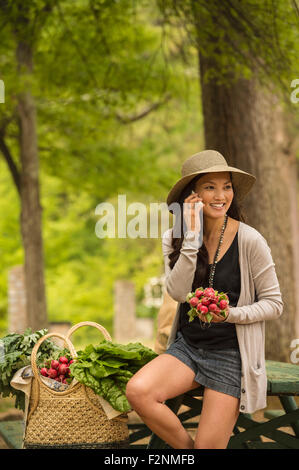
pixel 216 317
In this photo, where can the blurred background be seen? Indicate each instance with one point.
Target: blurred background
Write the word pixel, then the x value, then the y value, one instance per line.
pixel 106 97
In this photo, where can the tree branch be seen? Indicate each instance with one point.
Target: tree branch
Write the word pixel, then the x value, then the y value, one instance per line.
pixel 142 114
pixel 295 6
pixel 10 163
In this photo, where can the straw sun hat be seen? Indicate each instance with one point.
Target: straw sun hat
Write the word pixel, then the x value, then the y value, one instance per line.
pixel 210 161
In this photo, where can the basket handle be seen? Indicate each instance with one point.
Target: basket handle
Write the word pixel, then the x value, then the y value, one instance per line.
pixel 89 323
pixel 106 336
pixel 35 371
pixel 37 345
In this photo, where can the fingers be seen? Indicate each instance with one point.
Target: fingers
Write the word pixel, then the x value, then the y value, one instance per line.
pixel 193 198
pixel 216 318
pixel 192 206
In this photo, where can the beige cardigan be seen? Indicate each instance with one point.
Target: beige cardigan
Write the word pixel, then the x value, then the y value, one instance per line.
pixel 257 274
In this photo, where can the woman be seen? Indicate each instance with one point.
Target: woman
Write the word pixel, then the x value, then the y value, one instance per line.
pixel 227 356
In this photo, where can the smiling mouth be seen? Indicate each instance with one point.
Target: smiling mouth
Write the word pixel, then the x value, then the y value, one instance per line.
pixel 217 207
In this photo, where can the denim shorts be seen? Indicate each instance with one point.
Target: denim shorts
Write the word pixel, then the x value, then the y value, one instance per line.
pixel 218 369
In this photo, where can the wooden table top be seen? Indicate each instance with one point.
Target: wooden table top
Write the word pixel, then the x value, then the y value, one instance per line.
pixel 283 378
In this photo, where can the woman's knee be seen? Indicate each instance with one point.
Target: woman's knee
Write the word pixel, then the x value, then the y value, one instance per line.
pixel 137 392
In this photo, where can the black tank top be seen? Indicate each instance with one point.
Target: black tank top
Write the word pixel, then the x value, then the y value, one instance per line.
pixel 227 278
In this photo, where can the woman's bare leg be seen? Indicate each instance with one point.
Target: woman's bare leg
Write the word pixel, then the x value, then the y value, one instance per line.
pixel 217 420
pixel 160 379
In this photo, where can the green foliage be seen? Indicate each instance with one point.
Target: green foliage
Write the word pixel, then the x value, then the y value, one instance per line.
pixel 11 251
pixel 257 38
pixel 88 94
pixel 15 353
pixel 81 269
pixel 98 65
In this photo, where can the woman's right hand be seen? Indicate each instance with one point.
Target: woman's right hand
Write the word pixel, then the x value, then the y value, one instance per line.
pixel 192 206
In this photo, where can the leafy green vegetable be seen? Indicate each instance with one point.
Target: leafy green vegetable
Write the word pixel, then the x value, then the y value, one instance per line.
pixel 209 317
pixel 115 394
pixel 107 367
pixel 15 353
pixel 100 371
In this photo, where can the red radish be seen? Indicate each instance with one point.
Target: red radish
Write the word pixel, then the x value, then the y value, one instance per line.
pixel 194 301
pixel 205 301
pixel 223 304
pixel 63 360
pixel 64 381
pixel 54 364
pixel 209 292
pixel 213 308
pixel 62 369
pixel 68 372
pixel 198 293
pixel 203 309
pixel 44 371
pixel 52 373
pixel 71 361
pixel 61 377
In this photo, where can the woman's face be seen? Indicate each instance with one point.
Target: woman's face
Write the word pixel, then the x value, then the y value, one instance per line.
pixel 215 188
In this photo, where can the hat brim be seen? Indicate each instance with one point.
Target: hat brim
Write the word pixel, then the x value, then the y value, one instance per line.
pixel 242 182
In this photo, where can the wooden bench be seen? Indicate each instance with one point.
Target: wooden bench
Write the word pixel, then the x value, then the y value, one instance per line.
pixel 283 382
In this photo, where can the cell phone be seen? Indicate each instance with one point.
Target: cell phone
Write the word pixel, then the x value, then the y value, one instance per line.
pixel 193 192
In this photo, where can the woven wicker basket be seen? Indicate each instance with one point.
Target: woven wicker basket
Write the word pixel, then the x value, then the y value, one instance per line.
pixel 73 418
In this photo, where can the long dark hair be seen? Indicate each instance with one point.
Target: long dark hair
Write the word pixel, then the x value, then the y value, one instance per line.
pixel 202 268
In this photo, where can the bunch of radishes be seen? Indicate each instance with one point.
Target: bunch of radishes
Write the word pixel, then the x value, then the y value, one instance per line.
pixel 58 370
pixel 205 301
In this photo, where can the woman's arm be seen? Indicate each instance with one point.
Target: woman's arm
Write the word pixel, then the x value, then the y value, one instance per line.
pixel 270 304
pixel 178 281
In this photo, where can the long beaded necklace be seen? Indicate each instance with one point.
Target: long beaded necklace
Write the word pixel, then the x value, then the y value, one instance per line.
pixel 205 325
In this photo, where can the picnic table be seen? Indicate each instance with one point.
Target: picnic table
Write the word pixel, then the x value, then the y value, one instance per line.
pixel 283 382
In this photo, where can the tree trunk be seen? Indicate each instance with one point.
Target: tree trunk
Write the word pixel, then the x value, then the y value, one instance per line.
pixel 31 211
pixel 246 124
